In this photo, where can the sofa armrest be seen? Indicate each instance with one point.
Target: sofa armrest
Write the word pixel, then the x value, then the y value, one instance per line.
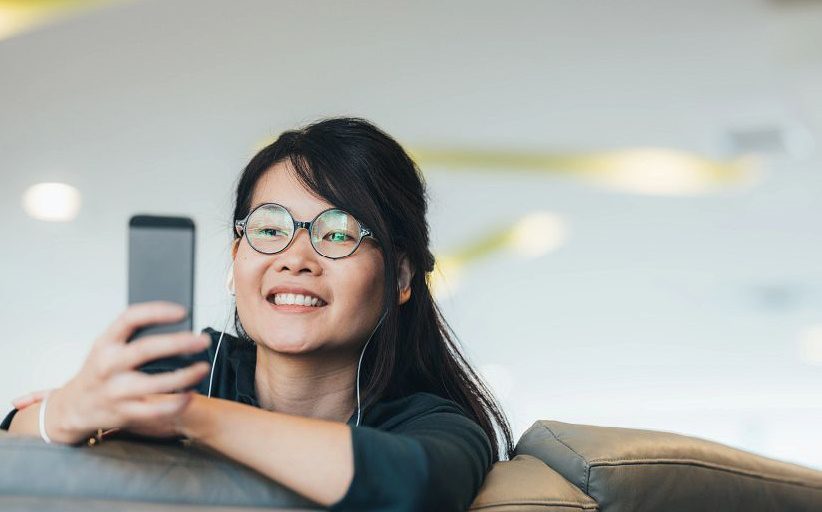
pixel 135 471
pixel 526 484
pixel 630 469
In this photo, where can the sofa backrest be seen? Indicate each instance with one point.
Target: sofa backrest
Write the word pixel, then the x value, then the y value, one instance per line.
pixel 629 469
pixel 126 471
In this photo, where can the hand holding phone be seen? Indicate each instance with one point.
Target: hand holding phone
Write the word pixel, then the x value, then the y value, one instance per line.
pixel 108 392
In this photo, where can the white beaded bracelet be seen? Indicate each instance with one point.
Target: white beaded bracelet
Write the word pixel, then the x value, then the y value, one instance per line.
pixel 43 419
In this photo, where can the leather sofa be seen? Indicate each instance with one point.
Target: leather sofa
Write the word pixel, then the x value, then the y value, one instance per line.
pixel 558 467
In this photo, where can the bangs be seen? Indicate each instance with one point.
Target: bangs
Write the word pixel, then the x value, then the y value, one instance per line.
pixel 333 177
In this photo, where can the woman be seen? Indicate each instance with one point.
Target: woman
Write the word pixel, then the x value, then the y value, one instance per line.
pixel 344 383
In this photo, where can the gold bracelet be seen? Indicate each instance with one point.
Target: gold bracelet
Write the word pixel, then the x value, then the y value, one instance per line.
pixel 99 436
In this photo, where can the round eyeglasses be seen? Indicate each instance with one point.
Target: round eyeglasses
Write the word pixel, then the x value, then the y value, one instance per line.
pixel 269 228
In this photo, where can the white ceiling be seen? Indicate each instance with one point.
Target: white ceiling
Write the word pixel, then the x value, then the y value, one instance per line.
pixel 671 313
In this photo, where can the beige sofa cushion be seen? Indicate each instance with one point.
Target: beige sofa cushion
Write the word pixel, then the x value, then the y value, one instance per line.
pixel 525 484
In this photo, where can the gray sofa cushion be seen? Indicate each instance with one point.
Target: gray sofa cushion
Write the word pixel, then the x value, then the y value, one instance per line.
pixel 628 469
pixel 128 471
pixel 55 504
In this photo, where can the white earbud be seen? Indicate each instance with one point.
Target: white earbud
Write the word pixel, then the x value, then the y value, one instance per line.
pixel 229 280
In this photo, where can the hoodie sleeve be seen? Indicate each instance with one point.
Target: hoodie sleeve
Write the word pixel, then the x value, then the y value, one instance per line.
pixel 7 421
pixel 436 461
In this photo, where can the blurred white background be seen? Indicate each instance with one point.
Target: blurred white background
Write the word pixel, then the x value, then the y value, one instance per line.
pixel 695 313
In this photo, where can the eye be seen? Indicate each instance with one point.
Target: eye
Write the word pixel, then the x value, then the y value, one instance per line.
pixel 268 232
pixel 338 236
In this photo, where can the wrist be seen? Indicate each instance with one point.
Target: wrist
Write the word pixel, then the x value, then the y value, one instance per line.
pixel 60 423
pixel 191 423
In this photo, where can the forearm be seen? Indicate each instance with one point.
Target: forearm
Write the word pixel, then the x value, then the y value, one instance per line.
pixel 312 457
pixel 26 422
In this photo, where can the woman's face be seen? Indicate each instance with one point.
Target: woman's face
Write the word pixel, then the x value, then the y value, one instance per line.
pixel 350 287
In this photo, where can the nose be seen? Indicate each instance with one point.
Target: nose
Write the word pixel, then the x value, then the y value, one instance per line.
pixel 299 257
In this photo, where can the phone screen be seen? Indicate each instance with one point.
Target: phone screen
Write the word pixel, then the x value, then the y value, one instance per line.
pixel 161 267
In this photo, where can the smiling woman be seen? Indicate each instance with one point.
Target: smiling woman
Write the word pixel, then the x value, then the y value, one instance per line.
pixel 344 382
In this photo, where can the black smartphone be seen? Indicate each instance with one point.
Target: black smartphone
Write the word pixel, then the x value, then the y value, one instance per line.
pixel 161 267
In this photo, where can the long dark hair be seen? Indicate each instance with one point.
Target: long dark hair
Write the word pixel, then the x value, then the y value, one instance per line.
pixel 355 166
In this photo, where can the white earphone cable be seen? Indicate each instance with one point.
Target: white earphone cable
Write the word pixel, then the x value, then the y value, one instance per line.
pixel 229 285
pixel 216 353
pixel 359 409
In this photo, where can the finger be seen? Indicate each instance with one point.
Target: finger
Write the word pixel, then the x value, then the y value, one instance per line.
pixel 30 398
pixel 151 348
pixel 22 404
pixel 158 407
pixel 138 384
pixel 143 314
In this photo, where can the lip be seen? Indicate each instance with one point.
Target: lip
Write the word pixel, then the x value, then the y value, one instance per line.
pixel 294 308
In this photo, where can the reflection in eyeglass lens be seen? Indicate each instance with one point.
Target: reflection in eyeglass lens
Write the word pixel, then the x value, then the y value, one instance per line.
pixel 335 233
pixel 269 228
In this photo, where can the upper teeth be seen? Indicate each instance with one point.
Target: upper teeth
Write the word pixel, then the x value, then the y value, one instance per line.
pixel 296 298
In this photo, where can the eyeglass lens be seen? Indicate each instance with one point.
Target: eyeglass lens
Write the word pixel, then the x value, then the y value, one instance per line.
pixel 334 234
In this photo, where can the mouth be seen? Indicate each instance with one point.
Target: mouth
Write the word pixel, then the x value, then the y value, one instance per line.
pixel 295 300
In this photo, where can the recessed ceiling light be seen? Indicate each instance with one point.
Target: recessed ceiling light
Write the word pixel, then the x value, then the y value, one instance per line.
pixel 537 234
pixel 55 202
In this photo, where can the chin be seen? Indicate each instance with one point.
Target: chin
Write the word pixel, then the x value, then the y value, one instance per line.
pixel 289 345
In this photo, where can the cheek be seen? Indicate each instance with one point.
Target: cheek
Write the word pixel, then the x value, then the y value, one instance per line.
pixel 363 287
pixel 363 292
pixel 248 272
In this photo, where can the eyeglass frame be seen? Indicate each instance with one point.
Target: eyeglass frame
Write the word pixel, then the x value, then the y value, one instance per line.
pixel 239 227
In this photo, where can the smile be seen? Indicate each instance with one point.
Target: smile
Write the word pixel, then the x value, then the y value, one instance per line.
pixel 295 299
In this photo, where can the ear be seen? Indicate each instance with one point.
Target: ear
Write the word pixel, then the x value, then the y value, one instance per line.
pixel 404 275
pixel 234 246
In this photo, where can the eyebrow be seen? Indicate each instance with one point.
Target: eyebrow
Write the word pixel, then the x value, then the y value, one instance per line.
pixel 254 206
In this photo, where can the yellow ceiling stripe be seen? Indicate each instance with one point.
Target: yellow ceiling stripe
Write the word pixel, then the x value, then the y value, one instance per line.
pixel 641 170
pixel 17 16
